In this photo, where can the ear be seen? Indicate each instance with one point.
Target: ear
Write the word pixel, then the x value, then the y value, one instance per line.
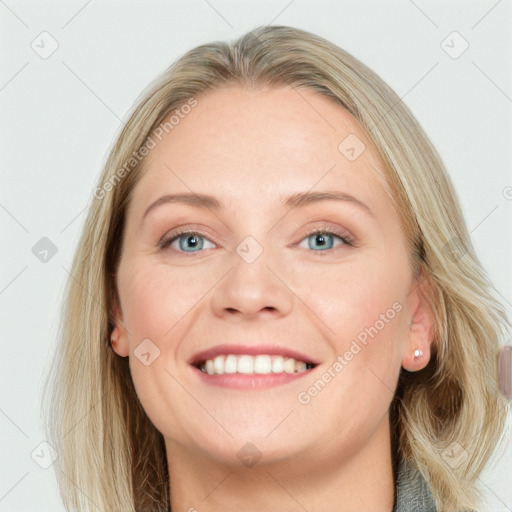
pixel 119 335
pixel 420 336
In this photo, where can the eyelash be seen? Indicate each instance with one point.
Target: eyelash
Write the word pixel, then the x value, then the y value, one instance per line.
pixel 347 240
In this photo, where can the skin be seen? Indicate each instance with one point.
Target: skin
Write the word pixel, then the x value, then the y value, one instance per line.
pixel 250 149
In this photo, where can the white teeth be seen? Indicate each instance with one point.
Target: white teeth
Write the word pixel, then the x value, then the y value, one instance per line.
pixel 289 365
pixel 230 364
pixel 218 365
pixel 277 364
pixel 301 366
pixel 245 364
pixel 260 364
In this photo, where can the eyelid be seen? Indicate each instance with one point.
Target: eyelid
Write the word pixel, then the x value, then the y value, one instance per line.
pixel 167 239
pixel 327 228
pixel 331 230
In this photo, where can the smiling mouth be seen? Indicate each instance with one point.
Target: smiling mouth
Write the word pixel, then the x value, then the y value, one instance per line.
pixel 261 364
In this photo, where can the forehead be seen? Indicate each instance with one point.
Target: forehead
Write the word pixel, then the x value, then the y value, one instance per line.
pixel 243 144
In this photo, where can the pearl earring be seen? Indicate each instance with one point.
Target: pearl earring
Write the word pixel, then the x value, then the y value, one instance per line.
pixel 417 353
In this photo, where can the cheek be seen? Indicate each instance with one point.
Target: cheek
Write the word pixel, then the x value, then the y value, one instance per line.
pixel 359 307
pixel 355 295
pixel 155 298
pixel 362 313
pixel 155 302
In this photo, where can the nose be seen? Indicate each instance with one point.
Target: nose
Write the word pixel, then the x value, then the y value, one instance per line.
pixel 251 290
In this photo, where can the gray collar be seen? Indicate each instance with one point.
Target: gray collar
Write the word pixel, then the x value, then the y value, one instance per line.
pixel 413 494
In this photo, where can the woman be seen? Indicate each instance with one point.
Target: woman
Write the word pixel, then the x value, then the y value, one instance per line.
pixel 275 303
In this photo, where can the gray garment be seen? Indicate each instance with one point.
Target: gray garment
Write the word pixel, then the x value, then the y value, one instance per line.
pixel 413 494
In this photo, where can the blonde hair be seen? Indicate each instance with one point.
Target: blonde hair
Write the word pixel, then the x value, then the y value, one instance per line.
pixel 110 454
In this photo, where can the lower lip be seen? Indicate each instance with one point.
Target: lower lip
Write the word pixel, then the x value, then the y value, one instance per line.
pixel 250 381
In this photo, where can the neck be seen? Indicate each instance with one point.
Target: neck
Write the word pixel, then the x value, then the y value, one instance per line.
pixel 337 481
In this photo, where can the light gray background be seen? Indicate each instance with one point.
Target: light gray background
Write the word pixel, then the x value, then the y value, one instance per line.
pixel 60 115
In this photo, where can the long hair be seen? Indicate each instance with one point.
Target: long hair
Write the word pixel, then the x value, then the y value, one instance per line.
pixel 110 454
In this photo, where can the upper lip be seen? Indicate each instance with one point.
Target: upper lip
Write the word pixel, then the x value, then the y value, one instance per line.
pixel 251 350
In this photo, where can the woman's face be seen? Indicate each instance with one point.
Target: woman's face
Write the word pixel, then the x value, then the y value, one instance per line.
pixel 322 318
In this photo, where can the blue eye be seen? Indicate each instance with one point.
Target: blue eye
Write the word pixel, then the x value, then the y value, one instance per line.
pixel 187 240
pixel 191 241
pixel 324 240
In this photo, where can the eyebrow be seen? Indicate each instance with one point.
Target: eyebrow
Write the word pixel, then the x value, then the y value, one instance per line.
pixel 297 200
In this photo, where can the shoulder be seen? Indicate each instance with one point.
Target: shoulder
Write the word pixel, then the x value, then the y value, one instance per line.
pixel 412 492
